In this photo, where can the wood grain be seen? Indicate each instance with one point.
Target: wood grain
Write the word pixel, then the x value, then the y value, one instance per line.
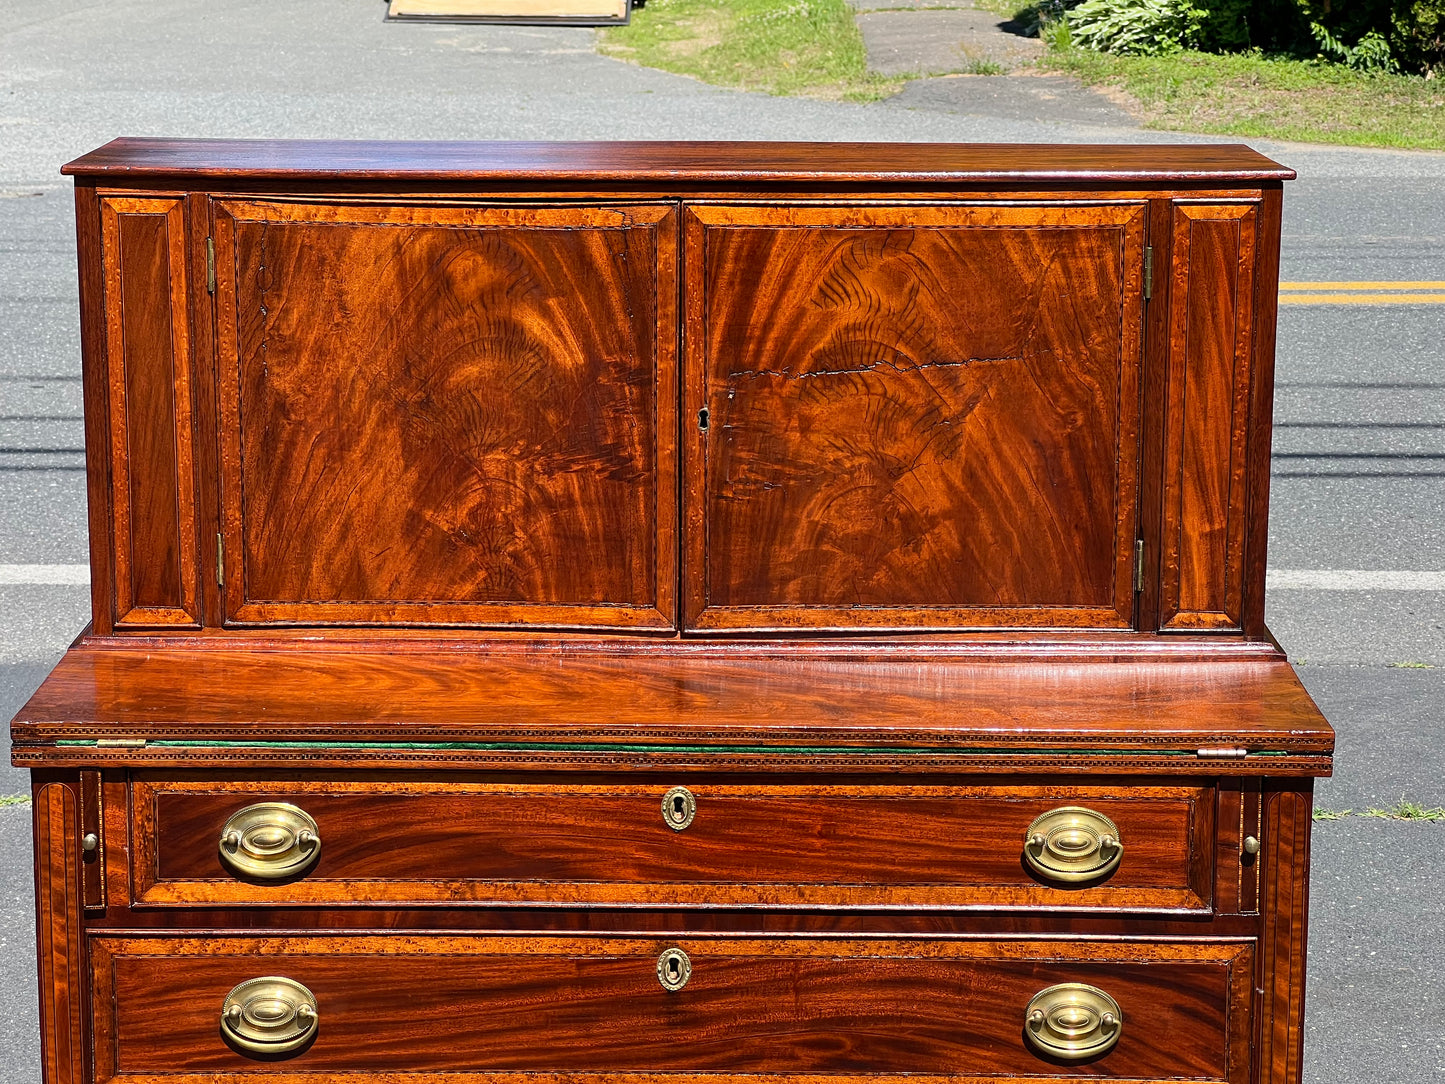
pixel 674 163
pixel 1285 862
pixel 59 929
pixel 879 455
pixel 481 1006
pixel 153 487
pixel 1210 354
pixel 806 844
pixel 757 698
pixel 447 415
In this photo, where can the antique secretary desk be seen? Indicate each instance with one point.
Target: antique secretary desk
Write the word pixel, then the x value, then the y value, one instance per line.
pixel 698 613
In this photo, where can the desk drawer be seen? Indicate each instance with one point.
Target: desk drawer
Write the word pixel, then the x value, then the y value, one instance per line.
pixel 612 843
pixel 488 1007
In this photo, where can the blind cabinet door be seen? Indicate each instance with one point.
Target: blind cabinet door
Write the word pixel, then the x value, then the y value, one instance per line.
pixel 912 416
pixel 447 414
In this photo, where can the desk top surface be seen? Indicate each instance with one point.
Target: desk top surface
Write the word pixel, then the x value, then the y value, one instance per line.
pixel 682 162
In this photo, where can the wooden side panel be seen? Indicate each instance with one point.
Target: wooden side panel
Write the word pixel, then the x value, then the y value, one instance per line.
pixel 483 1008
pixel 447 415
pixel 149 369
pixel 1211 342
pixel 917 417
pixel 813 844
pixel 58 928
pixel 1288 818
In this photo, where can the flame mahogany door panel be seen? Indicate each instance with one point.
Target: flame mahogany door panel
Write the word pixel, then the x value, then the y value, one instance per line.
pixel 447 414
pixel 912 416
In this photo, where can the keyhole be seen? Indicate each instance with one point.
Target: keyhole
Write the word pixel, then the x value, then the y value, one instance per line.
pixel 673 969
pixel 702 417
pixel 678 808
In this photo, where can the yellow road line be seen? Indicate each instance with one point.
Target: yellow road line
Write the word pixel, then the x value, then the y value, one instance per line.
pixel 1362 299
pixel 1362 286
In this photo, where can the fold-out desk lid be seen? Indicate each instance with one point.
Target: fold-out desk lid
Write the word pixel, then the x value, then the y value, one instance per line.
pixel 751 707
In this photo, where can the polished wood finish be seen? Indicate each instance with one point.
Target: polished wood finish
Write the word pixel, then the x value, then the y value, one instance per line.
pixel 59 933
pixel 887 1009
pixel 516 366
pixel 1206 434
pixel 808 844
pixel 125 160
pixel 880 456
pixel 727 706
pixel 475 495
pixel 149 367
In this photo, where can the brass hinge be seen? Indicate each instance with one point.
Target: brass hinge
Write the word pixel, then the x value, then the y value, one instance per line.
pixel 120 743
pixel 220 560
pixel 211 266
pixel 1221 752
pixel 1139 565
pixel 1148 272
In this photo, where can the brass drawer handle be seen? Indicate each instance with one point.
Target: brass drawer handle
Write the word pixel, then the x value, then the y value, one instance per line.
pixel 1073 1021
pixel 1071 844
pixel 678 808
pixel 674 968
pixel 270 1015
pixel 270 841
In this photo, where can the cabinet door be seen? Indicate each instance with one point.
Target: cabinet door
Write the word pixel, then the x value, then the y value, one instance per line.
pixel 912 416
pixel 447 414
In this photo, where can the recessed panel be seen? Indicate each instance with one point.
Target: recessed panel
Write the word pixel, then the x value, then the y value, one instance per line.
pixel 913 416
pixel 447 415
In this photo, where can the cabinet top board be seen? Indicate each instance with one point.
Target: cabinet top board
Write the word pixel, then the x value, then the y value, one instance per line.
pixel 694 162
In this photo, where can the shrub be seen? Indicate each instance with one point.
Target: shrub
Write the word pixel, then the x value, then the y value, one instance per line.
pixel 1417 35
pixel 1136 27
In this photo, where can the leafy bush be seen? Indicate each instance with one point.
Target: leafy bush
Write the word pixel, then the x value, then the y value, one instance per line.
pixel 1417 35
pixel 1370 54
pixel 1136 27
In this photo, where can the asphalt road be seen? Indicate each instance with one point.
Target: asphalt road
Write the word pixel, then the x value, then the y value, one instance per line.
pixel 1359 472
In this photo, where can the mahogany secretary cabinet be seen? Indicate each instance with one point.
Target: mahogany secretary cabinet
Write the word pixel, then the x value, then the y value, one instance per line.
pixel 712 613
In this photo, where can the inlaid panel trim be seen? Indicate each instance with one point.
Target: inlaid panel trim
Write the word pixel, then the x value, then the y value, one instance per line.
pixel 59 924
pixel 484 439
pixel 917 417
pixel 568 844
pixel 403 1006
pixel 153 483
pixel 1211 324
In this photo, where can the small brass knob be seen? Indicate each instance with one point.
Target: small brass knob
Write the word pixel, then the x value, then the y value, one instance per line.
pixel 270 1015
pixel 270 841
pixel 674 968
pixel 89 842
pixel 1072 844
pixel 1251 846
pixel 678 808
pixel 1073 1021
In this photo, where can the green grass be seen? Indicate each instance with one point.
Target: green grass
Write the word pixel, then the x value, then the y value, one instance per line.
pixel 14 799
pixel 809 48
pixel 1256 96
pixel 1403 810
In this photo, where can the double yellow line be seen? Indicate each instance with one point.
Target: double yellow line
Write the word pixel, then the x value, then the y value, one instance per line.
pixel 1362 293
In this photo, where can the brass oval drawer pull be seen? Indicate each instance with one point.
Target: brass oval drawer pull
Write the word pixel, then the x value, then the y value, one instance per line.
pixel 1072 844
pixel 678 808
pixel 270 1015
pixel 270 841
pixel 1073 1021
pixel 674 968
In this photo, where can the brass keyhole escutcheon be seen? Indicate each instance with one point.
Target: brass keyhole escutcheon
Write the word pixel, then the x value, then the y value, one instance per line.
pixel 678 808
pixel 674 968
pixel 1072 844
pixel 270 841
pixel 1073 1021
pixel 270 1015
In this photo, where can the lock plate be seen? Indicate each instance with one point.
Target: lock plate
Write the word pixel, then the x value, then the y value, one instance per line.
pixel 678 808
pixel 674 968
